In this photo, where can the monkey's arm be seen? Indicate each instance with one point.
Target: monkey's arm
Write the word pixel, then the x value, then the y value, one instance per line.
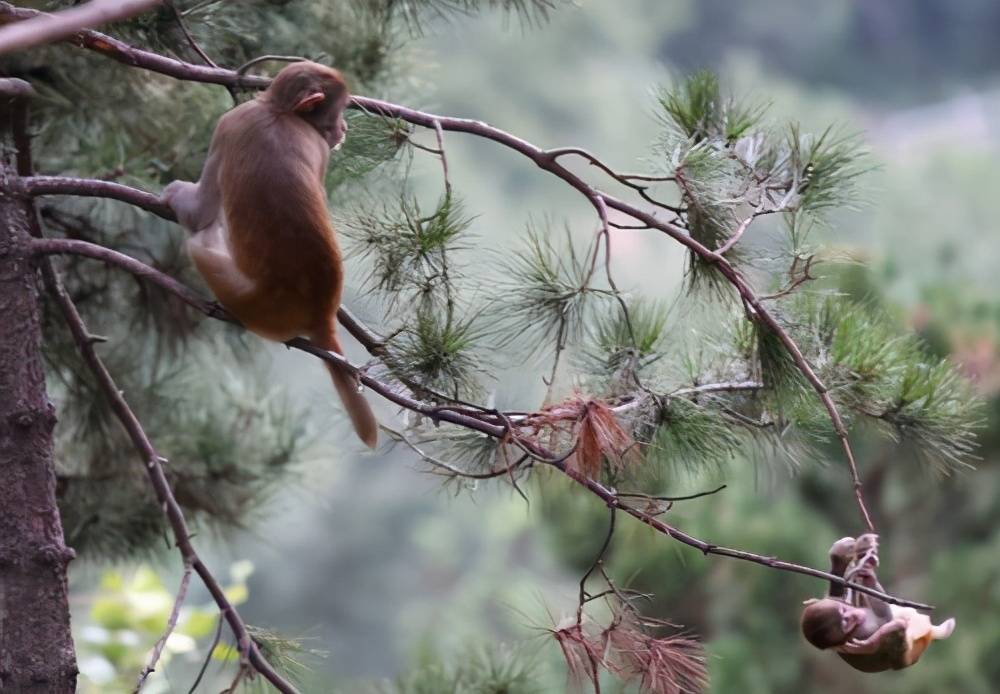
pixel 874 643
pixel 866 577
pixel 198 205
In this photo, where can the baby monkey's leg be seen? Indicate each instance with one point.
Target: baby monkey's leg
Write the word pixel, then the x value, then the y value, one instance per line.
pixel 841 554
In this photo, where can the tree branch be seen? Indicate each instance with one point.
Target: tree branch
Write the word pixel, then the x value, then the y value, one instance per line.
pixel 93 188
pixel 152 462
pixel 548 160
pixel 136 267
pixel 175 613
pixel 368 339
pixel 46 28
pixel 485 423
pixel 179 18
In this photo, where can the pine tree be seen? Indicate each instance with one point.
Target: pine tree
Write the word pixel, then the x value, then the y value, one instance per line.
pixel 133 365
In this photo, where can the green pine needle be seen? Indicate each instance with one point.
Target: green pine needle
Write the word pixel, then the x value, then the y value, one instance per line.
pixel 546 289
pixel 825 168
pixel 408 252
pixel 439 354
pixel 611 352
pixel 697 109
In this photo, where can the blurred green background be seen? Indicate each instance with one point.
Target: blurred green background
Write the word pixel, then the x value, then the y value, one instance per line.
pixel 377 564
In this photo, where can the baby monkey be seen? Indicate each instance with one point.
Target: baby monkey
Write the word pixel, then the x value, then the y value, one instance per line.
pixel 869 634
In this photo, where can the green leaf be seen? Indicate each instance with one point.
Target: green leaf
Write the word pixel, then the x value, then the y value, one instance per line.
pixel 111 613
pixel 225 652
pixel 199 624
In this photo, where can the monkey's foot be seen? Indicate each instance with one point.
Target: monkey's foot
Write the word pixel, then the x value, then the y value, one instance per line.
pixel 843 549
pixel 866 550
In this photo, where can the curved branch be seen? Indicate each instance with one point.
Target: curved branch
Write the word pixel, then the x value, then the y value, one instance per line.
pixel 600 200
pixel 41 185
pixel 161 643
pixel 85 187
pixel 544 159
pixel 152 462
pixel 136 267
pixel 478 421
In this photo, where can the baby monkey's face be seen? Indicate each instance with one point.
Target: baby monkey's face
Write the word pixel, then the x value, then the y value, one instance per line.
pixel 850 618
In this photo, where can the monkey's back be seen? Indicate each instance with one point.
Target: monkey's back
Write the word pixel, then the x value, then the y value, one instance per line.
pixel 277 220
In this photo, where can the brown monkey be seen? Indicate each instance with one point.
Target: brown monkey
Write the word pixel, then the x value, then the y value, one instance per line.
pixel 867 633
pixel 262 236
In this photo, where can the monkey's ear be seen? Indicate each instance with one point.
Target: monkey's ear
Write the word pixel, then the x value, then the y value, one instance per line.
pixel 309 102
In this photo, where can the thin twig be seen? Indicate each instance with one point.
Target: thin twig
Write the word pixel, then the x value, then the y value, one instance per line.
pixel 208 655
pixel 444 157
pixel 626 179
pixel 179 18
pixel 430 150
pixel 687 497
pixel 161 486
pixel 738 234
pixel 597 562
pixel 794 281
pixel 449 469
pixel 242 69
pixel 240 674
pixel 154 656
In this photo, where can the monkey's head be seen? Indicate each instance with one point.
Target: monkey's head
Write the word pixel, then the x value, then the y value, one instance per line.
pixel 828 623
pixel 316 93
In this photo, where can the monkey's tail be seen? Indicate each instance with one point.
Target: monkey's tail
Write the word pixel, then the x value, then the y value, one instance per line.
pixel 355 403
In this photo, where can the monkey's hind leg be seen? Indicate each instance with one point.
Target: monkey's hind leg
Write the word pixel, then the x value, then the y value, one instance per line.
pixel 211 257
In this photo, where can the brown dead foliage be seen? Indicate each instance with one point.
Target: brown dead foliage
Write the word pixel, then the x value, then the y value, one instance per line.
pixel 594 431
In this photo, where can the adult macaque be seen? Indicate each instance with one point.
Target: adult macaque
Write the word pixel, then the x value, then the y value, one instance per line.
pixel 868 633
pixel 262 236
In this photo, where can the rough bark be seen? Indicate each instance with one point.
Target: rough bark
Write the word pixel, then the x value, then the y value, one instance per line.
pixel 36 647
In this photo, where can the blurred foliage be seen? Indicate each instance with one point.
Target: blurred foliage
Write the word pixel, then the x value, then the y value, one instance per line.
pixel 730 166
pixel 127 614
pixel 876 50
pixel 495 670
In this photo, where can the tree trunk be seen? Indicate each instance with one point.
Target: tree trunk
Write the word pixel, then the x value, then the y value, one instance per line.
pixel 36 646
